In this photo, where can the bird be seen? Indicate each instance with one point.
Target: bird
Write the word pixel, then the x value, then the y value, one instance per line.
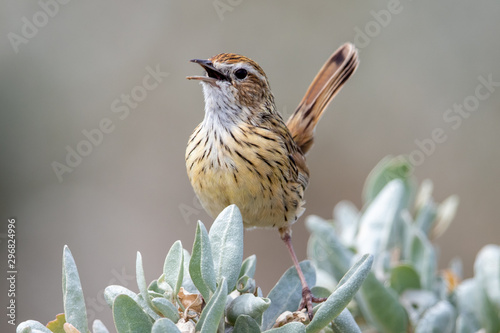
pixel 243 152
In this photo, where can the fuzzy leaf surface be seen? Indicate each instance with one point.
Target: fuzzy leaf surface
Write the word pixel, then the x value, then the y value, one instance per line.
pixel 391 317
pixel 388 169
pixel 287 293
pixel 141 280
pixel 226 239
pixel 289 328
pixel 98 327
pixel 326 249
pixel 246 324
pixel 339 299
pixel 440 318
pixel 173 267
pixel 111 292
pixel 378 224
pixel 422 255
pixel 129 316
pixel 247 304
pixel 214 310
pixel 248 267
pixel 346 216
pixel 164 325
pixel 32 326
pixel 345 323
pixel 166 308
pixel 487 272
pixel 73 299
pixel 404 277
pixel 201 265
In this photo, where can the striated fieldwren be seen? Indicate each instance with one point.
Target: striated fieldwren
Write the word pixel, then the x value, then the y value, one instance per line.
pixel 243 153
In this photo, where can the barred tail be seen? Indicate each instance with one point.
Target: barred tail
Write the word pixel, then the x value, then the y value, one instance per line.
pixel 327 83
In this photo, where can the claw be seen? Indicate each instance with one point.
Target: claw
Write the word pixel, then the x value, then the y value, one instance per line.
pixel 307 301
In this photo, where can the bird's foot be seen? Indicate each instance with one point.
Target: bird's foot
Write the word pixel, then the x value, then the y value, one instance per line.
pixel 307 301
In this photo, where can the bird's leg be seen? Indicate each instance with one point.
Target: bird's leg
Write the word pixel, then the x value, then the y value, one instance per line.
pixel 307 297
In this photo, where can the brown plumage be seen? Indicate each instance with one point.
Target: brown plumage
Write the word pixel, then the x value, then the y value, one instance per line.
pixel 327 83
pixel 244 154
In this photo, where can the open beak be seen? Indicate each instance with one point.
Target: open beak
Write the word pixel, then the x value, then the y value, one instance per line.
pixel 213 74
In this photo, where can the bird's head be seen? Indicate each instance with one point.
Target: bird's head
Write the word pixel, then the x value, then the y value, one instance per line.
pixel 234 81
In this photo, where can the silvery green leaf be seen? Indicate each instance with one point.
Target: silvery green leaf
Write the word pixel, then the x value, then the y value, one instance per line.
pixel 141 280
pixel 487 291
pixel 112 291
pixel 164 325
pixel 173 268
pixel 26 329
pixel 486 312
pixel 465 293
pixel 287 293
pixel 424 194
pixel 201 265
pixel 403 277
pixel 467 323
pixel 129 316
pixel 226 239
pixel 321 292
pixel 445 214
pixel 326 249
pixel 248 266
pixel 378 224
pixel 345 323
pixel 346 217
pixel 439 318
pixel 421 254
pixel 154 287
pixel 166 308
pixel 487 272
pixel 187 282
pixel 147 308
pixel 289 328
pixel 416 302
pixel 73 299
pixel 152 294
pixel 339 299
pixel 246 324
pixel 214 310
pixel 426 216
pixel 247 304
pixel 32 326
pixel 98 327
pixel 164 286
pixel 385 171
pixel 391 317
pixel 245 285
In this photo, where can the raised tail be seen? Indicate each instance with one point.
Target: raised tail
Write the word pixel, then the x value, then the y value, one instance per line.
pixel 327 83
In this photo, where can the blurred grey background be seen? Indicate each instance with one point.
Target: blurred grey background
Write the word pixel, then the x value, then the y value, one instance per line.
pixel 66 68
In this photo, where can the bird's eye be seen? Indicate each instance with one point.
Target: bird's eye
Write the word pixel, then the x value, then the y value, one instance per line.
pixel 241 73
